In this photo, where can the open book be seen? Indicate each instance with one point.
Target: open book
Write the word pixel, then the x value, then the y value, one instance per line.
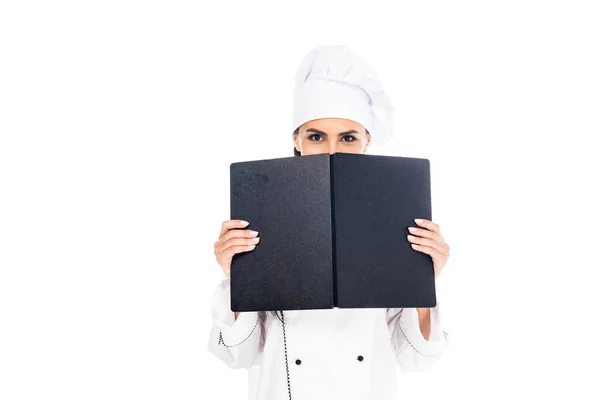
pixel 333 232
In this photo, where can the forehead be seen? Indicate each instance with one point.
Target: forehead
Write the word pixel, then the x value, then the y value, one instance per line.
pixel 333 125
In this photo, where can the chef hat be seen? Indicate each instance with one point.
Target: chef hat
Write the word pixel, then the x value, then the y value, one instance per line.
pixel 333 82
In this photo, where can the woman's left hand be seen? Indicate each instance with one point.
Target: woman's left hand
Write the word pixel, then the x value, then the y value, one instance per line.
pixel 428 239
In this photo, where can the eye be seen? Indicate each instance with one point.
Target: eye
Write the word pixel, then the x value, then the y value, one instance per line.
pixel 349 136
pixel 314 134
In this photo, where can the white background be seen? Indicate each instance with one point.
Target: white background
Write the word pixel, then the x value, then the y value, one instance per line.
pixel 119 120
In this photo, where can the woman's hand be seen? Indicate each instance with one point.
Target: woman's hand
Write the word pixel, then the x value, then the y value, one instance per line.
pixel 233 240
pixel 428 239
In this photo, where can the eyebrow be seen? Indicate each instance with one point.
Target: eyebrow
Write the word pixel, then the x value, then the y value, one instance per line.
pixel 339 134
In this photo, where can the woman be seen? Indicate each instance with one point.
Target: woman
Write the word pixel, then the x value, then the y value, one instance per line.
pixel 339 106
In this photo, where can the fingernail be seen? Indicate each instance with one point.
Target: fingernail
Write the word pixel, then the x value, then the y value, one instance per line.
pixel 413 230
pixel 255 240
pixel 244 223
pixel 410 236
pixel 414 246
pixel 252 233
pixel 418 220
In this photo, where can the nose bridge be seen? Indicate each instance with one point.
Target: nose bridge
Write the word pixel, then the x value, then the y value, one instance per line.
pixel 332 144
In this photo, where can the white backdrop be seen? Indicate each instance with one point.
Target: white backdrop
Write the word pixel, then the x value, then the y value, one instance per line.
pixel 119 120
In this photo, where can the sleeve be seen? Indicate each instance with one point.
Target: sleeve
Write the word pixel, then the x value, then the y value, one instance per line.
pixel 413 352
pixel 236 342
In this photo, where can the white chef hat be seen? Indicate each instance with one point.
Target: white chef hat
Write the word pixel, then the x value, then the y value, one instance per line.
pixel 333 82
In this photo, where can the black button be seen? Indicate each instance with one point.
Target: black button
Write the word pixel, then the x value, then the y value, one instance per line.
pixel 360 358
pixel 298 362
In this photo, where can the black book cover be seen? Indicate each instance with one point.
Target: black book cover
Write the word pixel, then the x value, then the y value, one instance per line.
pixel 333 232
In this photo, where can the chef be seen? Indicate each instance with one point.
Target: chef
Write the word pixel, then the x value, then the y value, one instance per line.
pixel 351 354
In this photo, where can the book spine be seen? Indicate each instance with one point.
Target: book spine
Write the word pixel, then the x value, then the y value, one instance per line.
pixel 333 240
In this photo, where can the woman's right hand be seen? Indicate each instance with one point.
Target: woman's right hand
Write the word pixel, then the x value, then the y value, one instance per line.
pixel 233 240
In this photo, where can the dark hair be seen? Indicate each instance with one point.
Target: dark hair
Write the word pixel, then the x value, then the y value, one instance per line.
pixel 262 318
pixel 296 152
